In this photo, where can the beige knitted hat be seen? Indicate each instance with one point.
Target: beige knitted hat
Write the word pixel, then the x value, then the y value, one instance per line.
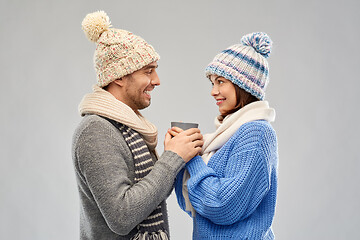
pixel 118 52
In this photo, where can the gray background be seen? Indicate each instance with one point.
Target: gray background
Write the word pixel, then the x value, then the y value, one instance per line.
pixel 46 68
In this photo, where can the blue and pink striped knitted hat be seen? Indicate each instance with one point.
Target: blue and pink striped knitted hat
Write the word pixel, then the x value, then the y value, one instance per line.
pixel 245 64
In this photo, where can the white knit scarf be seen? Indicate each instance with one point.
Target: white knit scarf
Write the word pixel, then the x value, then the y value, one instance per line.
pixel 103 103
pixel 225 128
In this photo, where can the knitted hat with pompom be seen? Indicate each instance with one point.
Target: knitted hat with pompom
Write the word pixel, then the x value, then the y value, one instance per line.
pixel 118 52
pixel 245 64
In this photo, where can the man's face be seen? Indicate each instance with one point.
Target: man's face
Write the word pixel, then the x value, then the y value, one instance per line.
pixel 138 87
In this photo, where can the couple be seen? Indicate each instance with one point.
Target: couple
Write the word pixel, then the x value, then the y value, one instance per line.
pixel 226 181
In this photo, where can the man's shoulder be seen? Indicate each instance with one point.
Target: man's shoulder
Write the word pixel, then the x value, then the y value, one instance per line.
pixel 94 126
pixel 93 119
pixel 90 121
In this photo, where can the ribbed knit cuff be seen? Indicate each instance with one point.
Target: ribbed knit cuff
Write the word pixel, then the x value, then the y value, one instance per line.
pixel 195 165
pixel 173 160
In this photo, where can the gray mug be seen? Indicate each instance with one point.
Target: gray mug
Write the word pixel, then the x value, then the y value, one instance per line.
pixel 184 126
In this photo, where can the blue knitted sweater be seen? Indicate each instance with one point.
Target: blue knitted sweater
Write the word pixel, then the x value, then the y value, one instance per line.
pixel 234 195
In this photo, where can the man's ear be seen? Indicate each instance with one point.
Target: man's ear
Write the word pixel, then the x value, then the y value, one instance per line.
pixel 119 82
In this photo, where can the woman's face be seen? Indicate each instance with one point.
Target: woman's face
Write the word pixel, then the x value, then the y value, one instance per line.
pixel 224 93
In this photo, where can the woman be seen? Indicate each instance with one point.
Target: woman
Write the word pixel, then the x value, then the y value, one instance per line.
pixel 231 191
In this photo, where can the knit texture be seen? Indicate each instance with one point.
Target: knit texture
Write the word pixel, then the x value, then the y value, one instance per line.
pixel 103 103
pixel 234 195
pixel 225 129
pixel 245 64
pixel 111 204
pixel 153 227
pixel 118 52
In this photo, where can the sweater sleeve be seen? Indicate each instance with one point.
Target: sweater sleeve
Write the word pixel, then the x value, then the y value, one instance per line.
pixel 179 191
pixel 232 197
pixel 102 163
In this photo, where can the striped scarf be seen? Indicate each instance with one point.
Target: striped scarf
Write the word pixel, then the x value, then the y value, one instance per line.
pixel 153 227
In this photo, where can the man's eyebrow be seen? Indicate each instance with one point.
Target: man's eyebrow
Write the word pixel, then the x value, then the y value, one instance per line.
pixel 150 66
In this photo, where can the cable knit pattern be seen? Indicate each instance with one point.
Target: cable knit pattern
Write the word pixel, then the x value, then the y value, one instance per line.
pixel 235 194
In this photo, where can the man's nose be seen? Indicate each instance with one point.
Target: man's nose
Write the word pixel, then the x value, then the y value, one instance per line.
pixel 155 80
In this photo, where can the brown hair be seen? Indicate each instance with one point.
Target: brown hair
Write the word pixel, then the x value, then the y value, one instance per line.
pixel 242 99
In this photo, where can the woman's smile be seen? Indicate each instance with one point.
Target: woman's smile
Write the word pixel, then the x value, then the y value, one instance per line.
pixel 220 101
pixel 224 93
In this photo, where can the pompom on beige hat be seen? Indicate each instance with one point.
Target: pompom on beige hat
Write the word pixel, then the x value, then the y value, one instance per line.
pixel 118 52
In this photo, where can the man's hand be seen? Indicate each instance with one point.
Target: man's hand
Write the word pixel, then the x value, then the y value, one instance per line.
pixel 187 144
pixel 175 131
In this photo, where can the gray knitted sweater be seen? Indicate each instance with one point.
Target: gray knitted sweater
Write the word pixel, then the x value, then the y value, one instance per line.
pixel 111 204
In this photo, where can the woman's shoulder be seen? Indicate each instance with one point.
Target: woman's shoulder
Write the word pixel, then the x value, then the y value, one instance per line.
pixel 258 127
pixel 254 132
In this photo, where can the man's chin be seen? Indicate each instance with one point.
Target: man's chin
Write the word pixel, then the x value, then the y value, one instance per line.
pixel 145 105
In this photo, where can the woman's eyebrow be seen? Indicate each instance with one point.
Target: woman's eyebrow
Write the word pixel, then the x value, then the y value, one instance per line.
pixel 214 79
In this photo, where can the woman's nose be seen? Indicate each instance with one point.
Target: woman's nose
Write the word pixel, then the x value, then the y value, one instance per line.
pixel 214 91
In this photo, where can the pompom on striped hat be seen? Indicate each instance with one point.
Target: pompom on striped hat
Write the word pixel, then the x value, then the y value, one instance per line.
pixel 245 64
pixel 118 52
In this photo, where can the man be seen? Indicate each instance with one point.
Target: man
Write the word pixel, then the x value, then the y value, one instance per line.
pixel 122 184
